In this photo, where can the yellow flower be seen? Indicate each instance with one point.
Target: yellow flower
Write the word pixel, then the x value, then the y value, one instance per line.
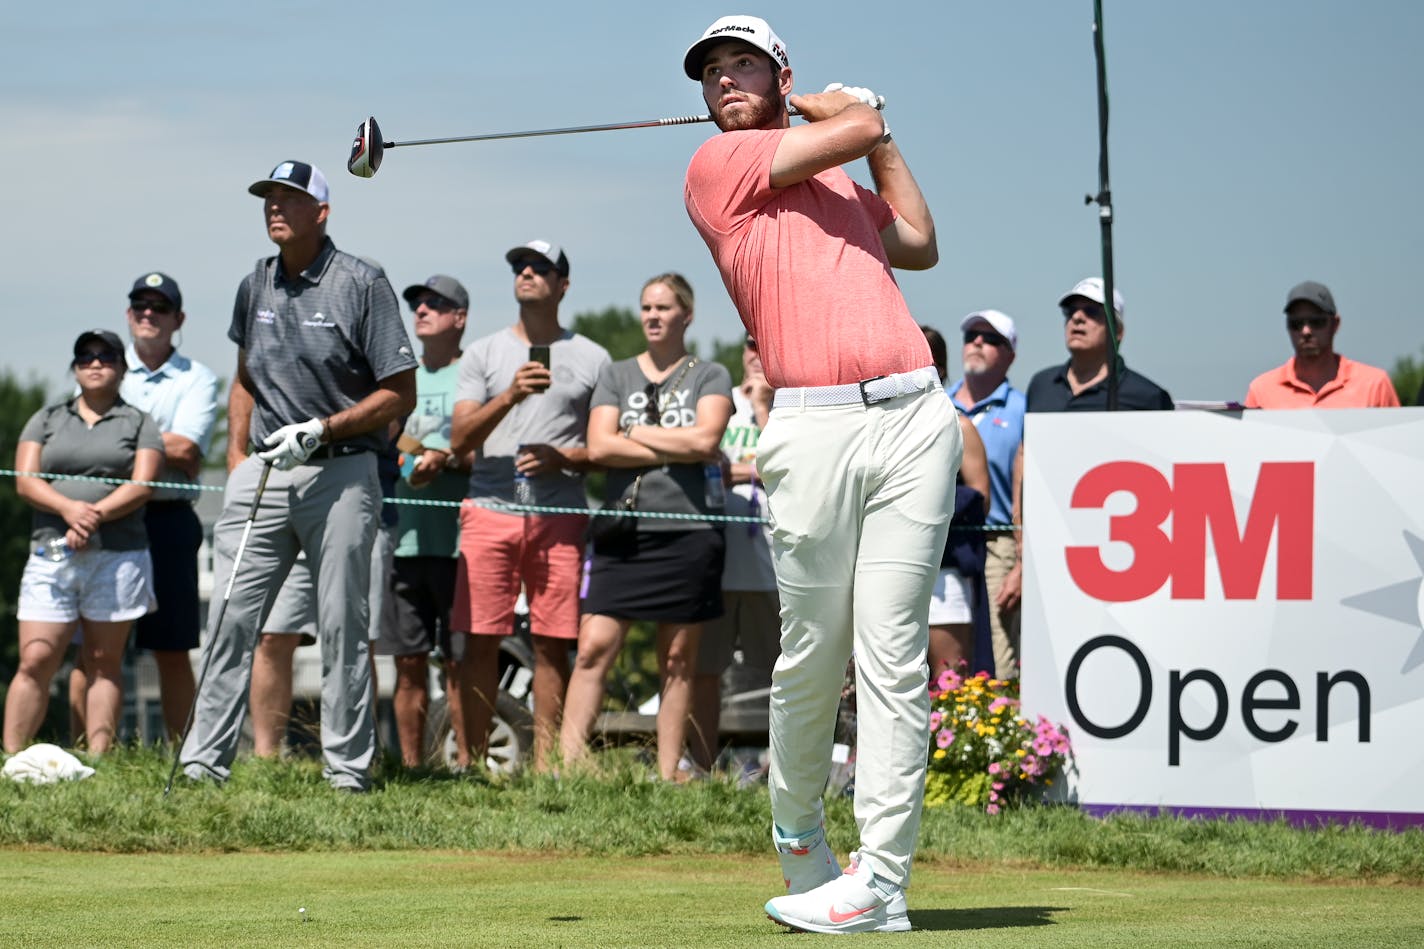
pixel 1019 752
pixel 940 754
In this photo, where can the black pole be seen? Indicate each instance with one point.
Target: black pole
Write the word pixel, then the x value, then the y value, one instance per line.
pixel 1104 202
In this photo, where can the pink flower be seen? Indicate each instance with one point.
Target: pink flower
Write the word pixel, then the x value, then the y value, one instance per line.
pixel 1042 747
pixel 997 785
pixel 945 738
pixel 994 768
pixel 935 719
pixel 992 809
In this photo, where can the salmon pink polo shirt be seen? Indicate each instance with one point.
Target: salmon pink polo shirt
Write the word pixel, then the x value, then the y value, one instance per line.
pixel 804 265
pixel 1355 386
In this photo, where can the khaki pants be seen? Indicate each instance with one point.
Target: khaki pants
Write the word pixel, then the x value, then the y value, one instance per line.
pixel 860 498
pixel 998 561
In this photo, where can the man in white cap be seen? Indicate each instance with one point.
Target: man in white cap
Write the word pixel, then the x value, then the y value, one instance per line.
pixel 1317 377
pixel 858 456
pixel 324 366
pixel 996 408
pixel 522 401
pixel 1081 384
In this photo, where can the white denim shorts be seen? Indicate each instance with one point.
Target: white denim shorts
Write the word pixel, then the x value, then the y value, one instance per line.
pixel 950 599
pixel 107 586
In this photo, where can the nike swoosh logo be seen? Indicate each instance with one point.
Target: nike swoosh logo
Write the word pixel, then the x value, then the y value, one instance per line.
pixel 838 918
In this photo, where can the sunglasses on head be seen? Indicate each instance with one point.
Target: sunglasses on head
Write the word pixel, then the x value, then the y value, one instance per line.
pixel 105 356
pixel 159 307
pixel 1297 323
pixel 432 301
pixel 540 267
pixel 990 339
pixel 1090 309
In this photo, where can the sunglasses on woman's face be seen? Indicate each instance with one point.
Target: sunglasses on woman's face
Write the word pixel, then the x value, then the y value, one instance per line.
pixel 105 356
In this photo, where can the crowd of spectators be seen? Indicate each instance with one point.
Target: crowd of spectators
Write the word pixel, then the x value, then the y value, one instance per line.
pixel 500 434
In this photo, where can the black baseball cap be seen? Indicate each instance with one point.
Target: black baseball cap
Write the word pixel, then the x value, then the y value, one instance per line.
pixel 106 340
pixel 159 283
pixel 1316 294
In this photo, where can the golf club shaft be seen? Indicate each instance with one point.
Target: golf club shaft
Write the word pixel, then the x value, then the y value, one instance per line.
pixel 216 627
pixel 615 126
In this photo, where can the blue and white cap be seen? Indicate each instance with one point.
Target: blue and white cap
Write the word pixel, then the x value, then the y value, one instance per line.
pixel 293 174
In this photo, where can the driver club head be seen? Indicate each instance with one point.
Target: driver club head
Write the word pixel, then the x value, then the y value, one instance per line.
pixel 366 149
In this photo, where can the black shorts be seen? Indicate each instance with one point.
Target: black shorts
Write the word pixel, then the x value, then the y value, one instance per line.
pixel 174 536
pixel 665 576
pixel 424 589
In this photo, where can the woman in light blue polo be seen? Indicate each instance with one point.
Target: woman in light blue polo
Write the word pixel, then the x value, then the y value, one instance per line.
pixel 89 550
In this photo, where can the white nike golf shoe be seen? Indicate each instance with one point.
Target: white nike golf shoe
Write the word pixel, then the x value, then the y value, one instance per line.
pixel 806 859
pixel 855 902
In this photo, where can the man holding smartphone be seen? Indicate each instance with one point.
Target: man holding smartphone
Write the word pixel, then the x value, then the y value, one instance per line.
pixel 521 404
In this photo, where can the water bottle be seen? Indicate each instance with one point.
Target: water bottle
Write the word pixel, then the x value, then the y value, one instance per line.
pixel 523 490
pixel 55 549
pixel 715 492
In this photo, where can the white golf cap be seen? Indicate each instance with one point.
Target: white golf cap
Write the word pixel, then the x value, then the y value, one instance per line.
pixel 749 29
pixel 553 253
pixel 293 174
pixel 1002 323
pixel 1092 288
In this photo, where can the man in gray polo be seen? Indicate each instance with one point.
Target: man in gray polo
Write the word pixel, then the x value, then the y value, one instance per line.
pixel 323 366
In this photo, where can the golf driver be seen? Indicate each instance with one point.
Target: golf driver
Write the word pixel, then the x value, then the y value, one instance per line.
pixel 369 146
pixel 222 609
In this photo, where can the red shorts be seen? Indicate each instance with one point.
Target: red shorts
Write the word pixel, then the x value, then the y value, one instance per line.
pixel 498 551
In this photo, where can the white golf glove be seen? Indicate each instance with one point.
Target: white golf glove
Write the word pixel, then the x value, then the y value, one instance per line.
pixel 862 94
pixel 291 445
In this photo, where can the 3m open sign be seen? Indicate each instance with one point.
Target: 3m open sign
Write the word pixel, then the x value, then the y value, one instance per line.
pixel 1199 503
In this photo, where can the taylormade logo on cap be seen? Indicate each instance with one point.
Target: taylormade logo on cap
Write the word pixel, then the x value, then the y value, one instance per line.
pixel 750 29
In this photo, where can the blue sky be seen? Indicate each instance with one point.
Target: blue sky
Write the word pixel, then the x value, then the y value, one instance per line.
pixel 1254 145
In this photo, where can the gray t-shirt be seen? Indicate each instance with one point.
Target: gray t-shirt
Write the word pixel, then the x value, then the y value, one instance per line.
pixel 319 342
pixel 677 488
pixel 69 446
pixel 557 417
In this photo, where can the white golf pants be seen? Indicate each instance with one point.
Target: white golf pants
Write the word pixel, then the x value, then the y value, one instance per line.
pixel 860 498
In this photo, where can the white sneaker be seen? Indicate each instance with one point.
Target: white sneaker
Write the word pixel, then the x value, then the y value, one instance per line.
pixel 855 902
pixel 806 859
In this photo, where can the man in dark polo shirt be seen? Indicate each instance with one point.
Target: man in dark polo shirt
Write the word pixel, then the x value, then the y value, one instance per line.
pixel 1081 384
pixel 324 365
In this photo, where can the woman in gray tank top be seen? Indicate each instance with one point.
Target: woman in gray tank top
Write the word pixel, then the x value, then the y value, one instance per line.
pixel 656 423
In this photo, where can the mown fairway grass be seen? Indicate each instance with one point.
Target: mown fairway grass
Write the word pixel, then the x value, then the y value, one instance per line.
pixel 442 899
pixel 617 860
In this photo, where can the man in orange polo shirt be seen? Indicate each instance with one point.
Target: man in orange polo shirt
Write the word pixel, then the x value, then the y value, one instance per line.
pixel 1317 377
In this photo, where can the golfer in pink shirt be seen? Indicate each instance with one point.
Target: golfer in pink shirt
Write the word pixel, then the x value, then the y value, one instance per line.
pixel 858 457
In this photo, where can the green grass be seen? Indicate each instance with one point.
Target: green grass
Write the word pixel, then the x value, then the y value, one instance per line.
pixel 285 806
pixel 500 900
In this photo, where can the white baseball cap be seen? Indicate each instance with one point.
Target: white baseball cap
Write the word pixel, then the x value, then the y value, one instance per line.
pixel 748 29
pixel 1092 288
pixel 1002 323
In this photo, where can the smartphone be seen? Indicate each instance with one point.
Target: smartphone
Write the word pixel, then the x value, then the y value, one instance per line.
pixel 540 354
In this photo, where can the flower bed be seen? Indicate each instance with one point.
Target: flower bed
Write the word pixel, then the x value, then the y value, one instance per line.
pixel 983 753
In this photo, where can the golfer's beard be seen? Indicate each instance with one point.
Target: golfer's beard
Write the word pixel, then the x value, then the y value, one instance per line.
pixel 765 114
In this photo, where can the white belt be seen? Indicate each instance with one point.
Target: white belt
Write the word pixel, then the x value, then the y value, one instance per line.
pixel 869 392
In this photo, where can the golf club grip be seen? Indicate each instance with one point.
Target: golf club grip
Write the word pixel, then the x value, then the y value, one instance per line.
pixel 615 126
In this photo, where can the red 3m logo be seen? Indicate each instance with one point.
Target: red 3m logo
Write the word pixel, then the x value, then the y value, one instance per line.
pixel 1199 496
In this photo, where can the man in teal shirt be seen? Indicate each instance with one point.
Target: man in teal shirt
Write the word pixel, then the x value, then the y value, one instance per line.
pixel 429 535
